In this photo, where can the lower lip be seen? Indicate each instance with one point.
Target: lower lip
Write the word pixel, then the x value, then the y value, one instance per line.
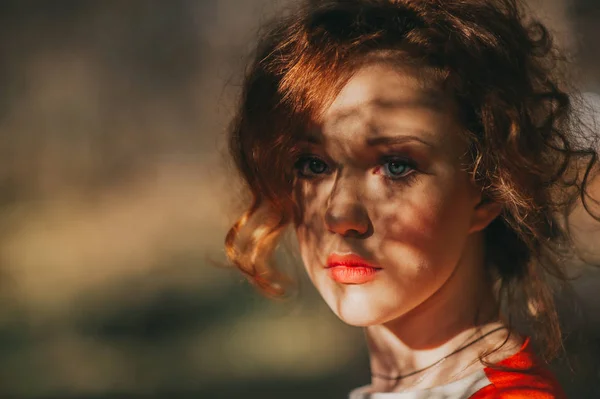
pixel 352 274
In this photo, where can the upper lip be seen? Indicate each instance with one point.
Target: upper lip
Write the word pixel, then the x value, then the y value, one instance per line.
pixel 348 259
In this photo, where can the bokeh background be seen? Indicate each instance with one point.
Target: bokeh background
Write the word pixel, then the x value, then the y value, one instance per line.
pixel 116 193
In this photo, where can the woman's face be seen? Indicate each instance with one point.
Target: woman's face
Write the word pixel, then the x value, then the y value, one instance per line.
pixel 382 183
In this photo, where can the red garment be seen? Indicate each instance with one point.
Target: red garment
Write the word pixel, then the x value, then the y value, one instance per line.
pixel 520 376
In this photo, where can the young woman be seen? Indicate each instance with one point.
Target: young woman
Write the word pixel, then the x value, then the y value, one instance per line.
pixel 423 152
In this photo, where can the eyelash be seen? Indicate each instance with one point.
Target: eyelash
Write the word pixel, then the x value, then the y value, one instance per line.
pixel 407 178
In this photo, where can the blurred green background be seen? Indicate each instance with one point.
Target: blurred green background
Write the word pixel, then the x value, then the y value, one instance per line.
pixel 115 196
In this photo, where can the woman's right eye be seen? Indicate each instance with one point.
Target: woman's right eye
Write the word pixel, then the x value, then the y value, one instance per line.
pixel 310 167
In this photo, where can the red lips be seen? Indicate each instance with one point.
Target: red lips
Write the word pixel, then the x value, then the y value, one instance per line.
pixel 350 269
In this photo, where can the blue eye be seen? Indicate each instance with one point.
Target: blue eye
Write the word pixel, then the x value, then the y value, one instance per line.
pixel 396 168
pixel 310 166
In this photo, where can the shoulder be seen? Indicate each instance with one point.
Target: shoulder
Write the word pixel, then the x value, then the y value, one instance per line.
pixel 521 376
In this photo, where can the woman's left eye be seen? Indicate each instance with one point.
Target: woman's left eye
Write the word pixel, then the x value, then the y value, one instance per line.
pixel 396 168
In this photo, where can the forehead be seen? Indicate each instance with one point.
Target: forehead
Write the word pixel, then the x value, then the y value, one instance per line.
pixel 379 99
pixel 382 84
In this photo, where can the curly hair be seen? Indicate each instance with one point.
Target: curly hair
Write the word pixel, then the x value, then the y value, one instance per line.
pixel 502 71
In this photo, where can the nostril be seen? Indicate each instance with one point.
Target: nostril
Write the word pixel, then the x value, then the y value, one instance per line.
pixel 345 213
pixel 349 221
pixel 354 233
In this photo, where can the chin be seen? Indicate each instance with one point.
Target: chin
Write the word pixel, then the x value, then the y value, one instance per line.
pixel 361 312
pixel 358 320
pixel 364 319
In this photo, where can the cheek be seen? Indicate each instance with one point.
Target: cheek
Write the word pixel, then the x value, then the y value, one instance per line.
pixel 426 225
pixel 310 228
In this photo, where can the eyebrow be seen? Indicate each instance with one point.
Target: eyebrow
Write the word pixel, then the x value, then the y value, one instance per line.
pixel 373 141
pixel 427 100
pixel 388 140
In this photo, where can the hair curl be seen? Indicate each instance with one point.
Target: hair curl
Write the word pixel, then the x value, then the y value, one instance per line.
pixel 500 68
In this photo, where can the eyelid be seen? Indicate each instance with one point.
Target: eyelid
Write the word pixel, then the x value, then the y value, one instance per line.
pixel 308 156
pixel 396 158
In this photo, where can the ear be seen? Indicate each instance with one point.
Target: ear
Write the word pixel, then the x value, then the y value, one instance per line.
pixel 485 212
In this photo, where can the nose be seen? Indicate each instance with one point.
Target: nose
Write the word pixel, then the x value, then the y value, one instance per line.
pixel 345 214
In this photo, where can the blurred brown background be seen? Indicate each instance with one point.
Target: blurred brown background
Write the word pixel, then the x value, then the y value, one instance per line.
pixel 116 193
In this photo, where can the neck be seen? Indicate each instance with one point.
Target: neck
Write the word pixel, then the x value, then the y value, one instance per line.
pixel 435 329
